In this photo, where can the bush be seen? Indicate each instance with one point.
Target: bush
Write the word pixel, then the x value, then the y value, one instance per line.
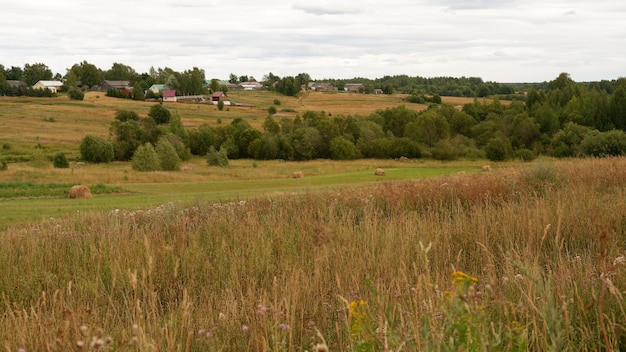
pixel 343 149
pixel 525 155
pixel 146 159
pixel 75 94
pixel 4 165
pixel 60 161
pixel 96 149
pixel 126 115
pixel 610 143
pixel 276 102
pixel 498 149
pixel 170 161
pixel 215 158
pixel 220 105
pixel 271 110
pixel 160 114
pixel 445 150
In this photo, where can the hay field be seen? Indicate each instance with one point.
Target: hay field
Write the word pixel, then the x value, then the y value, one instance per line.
pixel 524 258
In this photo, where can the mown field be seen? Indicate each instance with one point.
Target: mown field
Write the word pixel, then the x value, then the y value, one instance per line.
pixel 529 257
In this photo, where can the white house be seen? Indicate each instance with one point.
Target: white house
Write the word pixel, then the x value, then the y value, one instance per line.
pixel 251 86
pixel 54 86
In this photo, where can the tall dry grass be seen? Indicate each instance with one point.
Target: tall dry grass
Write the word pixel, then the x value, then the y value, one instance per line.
pixel 527 258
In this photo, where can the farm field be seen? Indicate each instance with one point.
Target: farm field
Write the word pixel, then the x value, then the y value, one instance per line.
pixel 242 180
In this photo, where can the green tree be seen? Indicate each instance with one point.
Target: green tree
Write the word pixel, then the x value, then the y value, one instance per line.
pixel 270 125
pixel 288 86
pixel 232 78
pixel 498 149
pixel 160 114
pixel 168 157
pixel 215 85
pixel 566 142
pixel 215 158
pixel 86 73
pixel 96 149
pixel 121 72
pixel 201 139
pixel 128 135
pixel 183 152
pixel 342 149
pixel 146 159
pixel 36 72
pixel 220 105
pixel 138 93
pixel 617 108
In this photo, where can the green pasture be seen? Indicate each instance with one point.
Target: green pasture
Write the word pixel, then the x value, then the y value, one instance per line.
pixel 36 206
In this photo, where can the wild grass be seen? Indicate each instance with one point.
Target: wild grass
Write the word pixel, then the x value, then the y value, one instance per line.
pixel 526 258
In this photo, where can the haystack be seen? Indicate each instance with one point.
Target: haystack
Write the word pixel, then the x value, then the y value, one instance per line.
pixel 297 174
pixel 486 168
pixel 80 191
pixel 379 172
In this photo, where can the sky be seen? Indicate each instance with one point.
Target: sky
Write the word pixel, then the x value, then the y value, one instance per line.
pixel 497 40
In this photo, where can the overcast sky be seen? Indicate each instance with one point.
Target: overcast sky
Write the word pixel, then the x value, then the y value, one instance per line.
pixel 498 40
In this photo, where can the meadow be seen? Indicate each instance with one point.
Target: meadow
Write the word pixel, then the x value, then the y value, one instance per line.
pixel 522 258
pixel 431 257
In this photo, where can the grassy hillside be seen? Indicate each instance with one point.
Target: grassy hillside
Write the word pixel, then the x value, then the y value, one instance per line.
pixel 48 125
pixel 523 258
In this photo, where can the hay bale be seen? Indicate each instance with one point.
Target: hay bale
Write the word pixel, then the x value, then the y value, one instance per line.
pixel 379 172
pixel 404 159
pixel 80 191
pixel 297 174
pixel 486 168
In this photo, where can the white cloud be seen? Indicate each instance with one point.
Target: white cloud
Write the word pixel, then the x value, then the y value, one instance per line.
pixel 502 40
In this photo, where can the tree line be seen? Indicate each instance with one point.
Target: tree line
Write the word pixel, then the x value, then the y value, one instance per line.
pixel 563 120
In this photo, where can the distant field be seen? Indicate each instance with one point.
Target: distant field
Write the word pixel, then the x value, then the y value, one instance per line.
pixel 60 123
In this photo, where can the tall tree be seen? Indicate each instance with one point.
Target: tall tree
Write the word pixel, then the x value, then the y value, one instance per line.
pixel 121 72
pixel 36 72
pixel 15 73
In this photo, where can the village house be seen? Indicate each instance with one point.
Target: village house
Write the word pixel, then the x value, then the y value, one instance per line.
pixel 122 86
pixel 169 95
pixel 54 86
pixel 322 87
pixel 354 87
pixel 251 86
pixel 219 96
pixel 156 88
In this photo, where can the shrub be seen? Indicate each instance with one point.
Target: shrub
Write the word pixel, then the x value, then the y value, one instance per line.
pixel 4 165
pixel 276 102
pixel 6 146
pixel 525 155
pixel 146 159
pixel 170 161
pixel 60 161
pixel 160 114
pixel 343 149
pixel 271 110
pixel 610 143
pixel 498 149
pixel 96 149
pixel 126 115
pixel 75 94
pixel 215 158
pixel 220 105
pixel 445 150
